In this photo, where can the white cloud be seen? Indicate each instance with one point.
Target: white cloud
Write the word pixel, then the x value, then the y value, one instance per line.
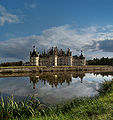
pixel 33 6
pixel 63 37
pixel 88 39
pixel 30 6
pixel 20 87
pixel 75 89
pixel 7 17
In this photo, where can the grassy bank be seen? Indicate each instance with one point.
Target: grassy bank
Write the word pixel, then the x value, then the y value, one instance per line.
pixel 99 108
pixel 23 69
pixel 50 66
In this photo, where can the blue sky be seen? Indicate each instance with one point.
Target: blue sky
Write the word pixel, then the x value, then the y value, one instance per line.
pixel 77 24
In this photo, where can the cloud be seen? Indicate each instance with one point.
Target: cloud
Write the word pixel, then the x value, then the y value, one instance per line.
pixel 63 92
pixel 6 17
pixel 89 39
pixel 106 45
pixel 62 36
pixel 30 6
pixel 20 87
pixel 33 6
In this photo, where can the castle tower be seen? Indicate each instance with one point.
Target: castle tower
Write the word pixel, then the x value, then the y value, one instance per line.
pixel 69 53
pixel 82 60
pixel 34 57
pixel 55 60
pixel 55 56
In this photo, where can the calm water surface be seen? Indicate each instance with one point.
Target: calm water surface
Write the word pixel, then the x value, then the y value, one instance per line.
pixel 52 88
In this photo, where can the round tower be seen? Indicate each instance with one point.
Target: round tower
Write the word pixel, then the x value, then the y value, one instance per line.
pixel 82 60
pixel 34 57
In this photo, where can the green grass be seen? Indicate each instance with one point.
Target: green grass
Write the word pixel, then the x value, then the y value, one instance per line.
pixel 23 67
pixel 11 110
pixel 98 108
pixel 51 66
pixel 8 71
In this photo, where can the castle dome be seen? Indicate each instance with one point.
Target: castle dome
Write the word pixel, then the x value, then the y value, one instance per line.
pixel 34 53
pixel 81 56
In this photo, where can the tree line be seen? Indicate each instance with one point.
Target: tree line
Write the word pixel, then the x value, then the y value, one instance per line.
pixel 101 61
pixel 20 63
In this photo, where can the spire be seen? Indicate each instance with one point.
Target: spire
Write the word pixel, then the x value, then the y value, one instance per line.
pixel 34 53
pixel 81 52
pixel 81 56
pixel 44 51
pixel 34 48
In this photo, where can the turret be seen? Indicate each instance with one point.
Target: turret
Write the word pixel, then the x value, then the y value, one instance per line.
pixel 81 56
pixel 34 48
pixel 34 57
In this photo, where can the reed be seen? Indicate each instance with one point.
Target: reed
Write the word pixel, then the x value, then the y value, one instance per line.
pixel 99 108
pixel 17 110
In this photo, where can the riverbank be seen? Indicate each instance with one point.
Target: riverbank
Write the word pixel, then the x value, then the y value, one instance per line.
pixel 99 108
pixel 48 74
pixel 33 69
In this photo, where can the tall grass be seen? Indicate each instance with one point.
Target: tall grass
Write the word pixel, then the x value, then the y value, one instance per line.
pixel 13 110
pixel 99 108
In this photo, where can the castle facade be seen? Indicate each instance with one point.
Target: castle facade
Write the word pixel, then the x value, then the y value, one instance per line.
pixel 55 57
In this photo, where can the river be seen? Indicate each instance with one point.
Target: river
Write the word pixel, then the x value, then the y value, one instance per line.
pixel 52 87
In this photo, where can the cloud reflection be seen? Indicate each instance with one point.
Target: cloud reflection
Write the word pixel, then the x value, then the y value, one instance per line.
pixel 52 88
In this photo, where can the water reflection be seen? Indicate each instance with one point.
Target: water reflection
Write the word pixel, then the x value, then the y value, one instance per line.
pixel 104 73
pixel 52 88
pixel 54 79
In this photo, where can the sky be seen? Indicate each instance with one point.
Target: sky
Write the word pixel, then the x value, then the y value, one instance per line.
pixel 85 25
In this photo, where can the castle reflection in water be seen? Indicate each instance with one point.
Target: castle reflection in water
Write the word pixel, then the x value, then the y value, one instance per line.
pixel 55 79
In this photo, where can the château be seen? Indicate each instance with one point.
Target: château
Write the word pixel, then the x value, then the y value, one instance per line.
pixel 55 57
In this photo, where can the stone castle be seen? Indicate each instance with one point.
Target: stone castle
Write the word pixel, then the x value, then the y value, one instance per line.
pixel 55 57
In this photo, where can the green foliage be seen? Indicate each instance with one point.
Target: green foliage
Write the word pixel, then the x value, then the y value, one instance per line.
pixel 13 110
pixel 99 108
pixel 106 87
pixel 102 61
pixel 20 63
pixel 8 71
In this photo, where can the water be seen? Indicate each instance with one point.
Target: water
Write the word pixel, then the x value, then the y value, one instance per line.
pixel 52 88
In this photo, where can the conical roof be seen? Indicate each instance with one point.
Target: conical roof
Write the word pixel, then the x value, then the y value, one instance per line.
pixel 34 53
